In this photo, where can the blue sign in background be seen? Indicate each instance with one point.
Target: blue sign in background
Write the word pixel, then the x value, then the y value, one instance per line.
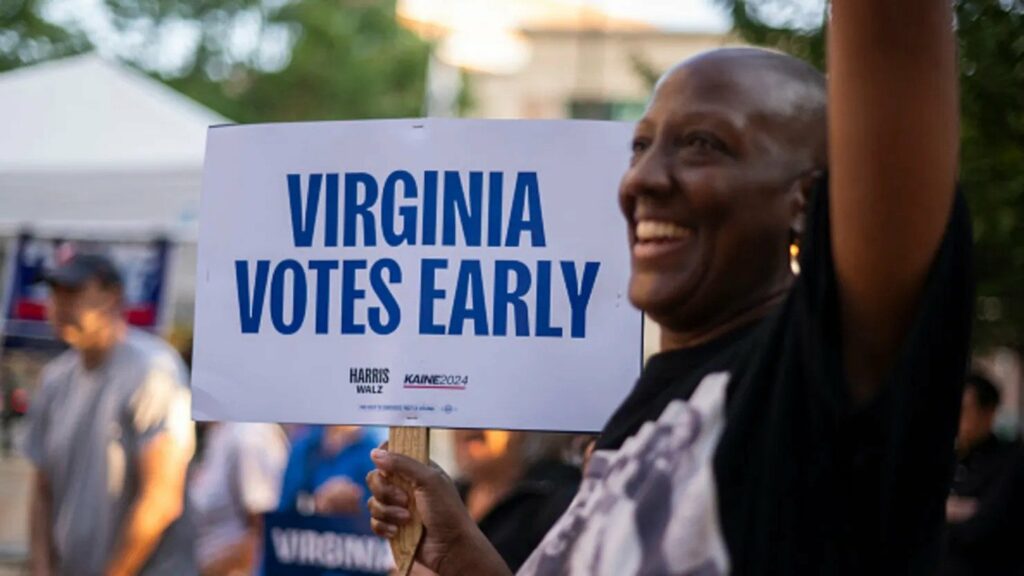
pixel 297 545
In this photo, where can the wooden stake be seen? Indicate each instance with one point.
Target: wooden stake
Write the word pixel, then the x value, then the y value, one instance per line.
pixel 413 442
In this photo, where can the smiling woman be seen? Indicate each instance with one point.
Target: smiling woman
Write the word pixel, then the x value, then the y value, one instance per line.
pixel 794 424
pixel 745 161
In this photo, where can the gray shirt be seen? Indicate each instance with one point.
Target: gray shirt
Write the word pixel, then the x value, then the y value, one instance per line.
pixel 87 429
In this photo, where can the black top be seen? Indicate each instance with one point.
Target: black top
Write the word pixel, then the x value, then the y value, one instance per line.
pixel 807 482
pixel 520 520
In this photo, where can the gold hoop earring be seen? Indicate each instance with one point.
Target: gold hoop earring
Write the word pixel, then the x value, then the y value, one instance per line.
pixel 794 257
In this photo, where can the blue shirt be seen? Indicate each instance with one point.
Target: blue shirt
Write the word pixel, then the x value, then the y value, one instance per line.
pixel 309 468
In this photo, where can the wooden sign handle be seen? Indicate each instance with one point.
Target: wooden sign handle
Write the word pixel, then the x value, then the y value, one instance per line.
pixel 413 442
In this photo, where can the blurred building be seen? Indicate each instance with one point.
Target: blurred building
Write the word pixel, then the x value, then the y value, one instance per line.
pixel 550 58
pixel 600 73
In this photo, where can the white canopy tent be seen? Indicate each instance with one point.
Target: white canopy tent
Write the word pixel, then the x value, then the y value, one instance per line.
pixel 93 148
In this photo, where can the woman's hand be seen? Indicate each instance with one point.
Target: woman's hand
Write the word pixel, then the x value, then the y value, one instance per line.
pixel 452 544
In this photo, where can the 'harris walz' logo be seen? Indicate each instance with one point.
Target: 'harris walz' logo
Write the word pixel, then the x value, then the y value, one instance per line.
pixel 368 380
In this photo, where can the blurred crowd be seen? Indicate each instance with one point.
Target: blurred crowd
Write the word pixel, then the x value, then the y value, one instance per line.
pixel 126 483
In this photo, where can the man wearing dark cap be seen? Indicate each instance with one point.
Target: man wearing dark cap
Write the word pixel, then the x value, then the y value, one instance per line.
pixel 110 437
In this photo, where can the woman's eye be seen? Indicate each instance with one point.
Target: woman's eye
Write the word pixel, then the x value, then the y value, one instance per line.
pixel 639 145
pixel 700 142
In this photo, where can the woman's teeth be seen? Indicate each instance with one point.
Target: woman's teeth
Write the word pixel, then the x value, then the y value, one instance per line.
pixel 654 231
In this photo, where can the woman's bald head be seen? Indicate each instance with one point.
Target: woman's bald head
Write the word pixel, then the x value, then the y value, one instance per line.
pixel 786 93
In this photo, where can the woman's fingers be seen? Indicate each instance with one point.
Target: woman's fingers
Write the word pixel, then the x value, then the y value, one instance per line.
pixel 383 529
pixel 387 506
pixel 391 515
pixel 384 491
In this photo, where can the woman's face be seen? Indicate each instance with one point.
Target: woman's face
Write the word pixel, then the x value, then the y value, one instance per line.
pixel 711 196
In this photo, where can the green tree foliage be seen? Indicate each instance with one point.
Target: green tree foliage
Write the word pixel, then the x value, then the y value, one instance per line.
pixel 801 35
pixel 251 60
pixel 991 39
pixel 346 61
pixel 27 38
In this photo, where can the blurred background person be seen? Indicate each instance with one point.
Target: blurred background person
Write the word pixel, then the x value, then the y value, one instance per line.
pixel 989 542
pixel 515 485
pixel 110 437
pixel 326 472
pixel 236 481
pixel 982 457
pixel 984 512
pixel 236 478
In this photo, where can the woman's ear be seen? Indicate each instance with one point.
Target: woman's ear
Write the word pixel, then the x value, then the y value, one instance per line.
pixel 799 196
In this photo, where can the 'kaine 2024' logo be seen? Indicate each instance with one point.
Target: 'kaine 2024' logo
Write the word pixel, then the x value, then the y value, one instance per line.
pixel 436 381
pixel 368 380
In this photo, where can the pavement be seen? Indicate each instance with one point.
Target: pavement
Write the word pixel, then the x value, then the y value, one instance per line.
pixel 15 483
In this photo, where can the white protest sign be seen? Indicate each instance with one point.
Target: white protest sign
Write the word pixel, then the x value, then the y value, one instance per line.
pixel 449 273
